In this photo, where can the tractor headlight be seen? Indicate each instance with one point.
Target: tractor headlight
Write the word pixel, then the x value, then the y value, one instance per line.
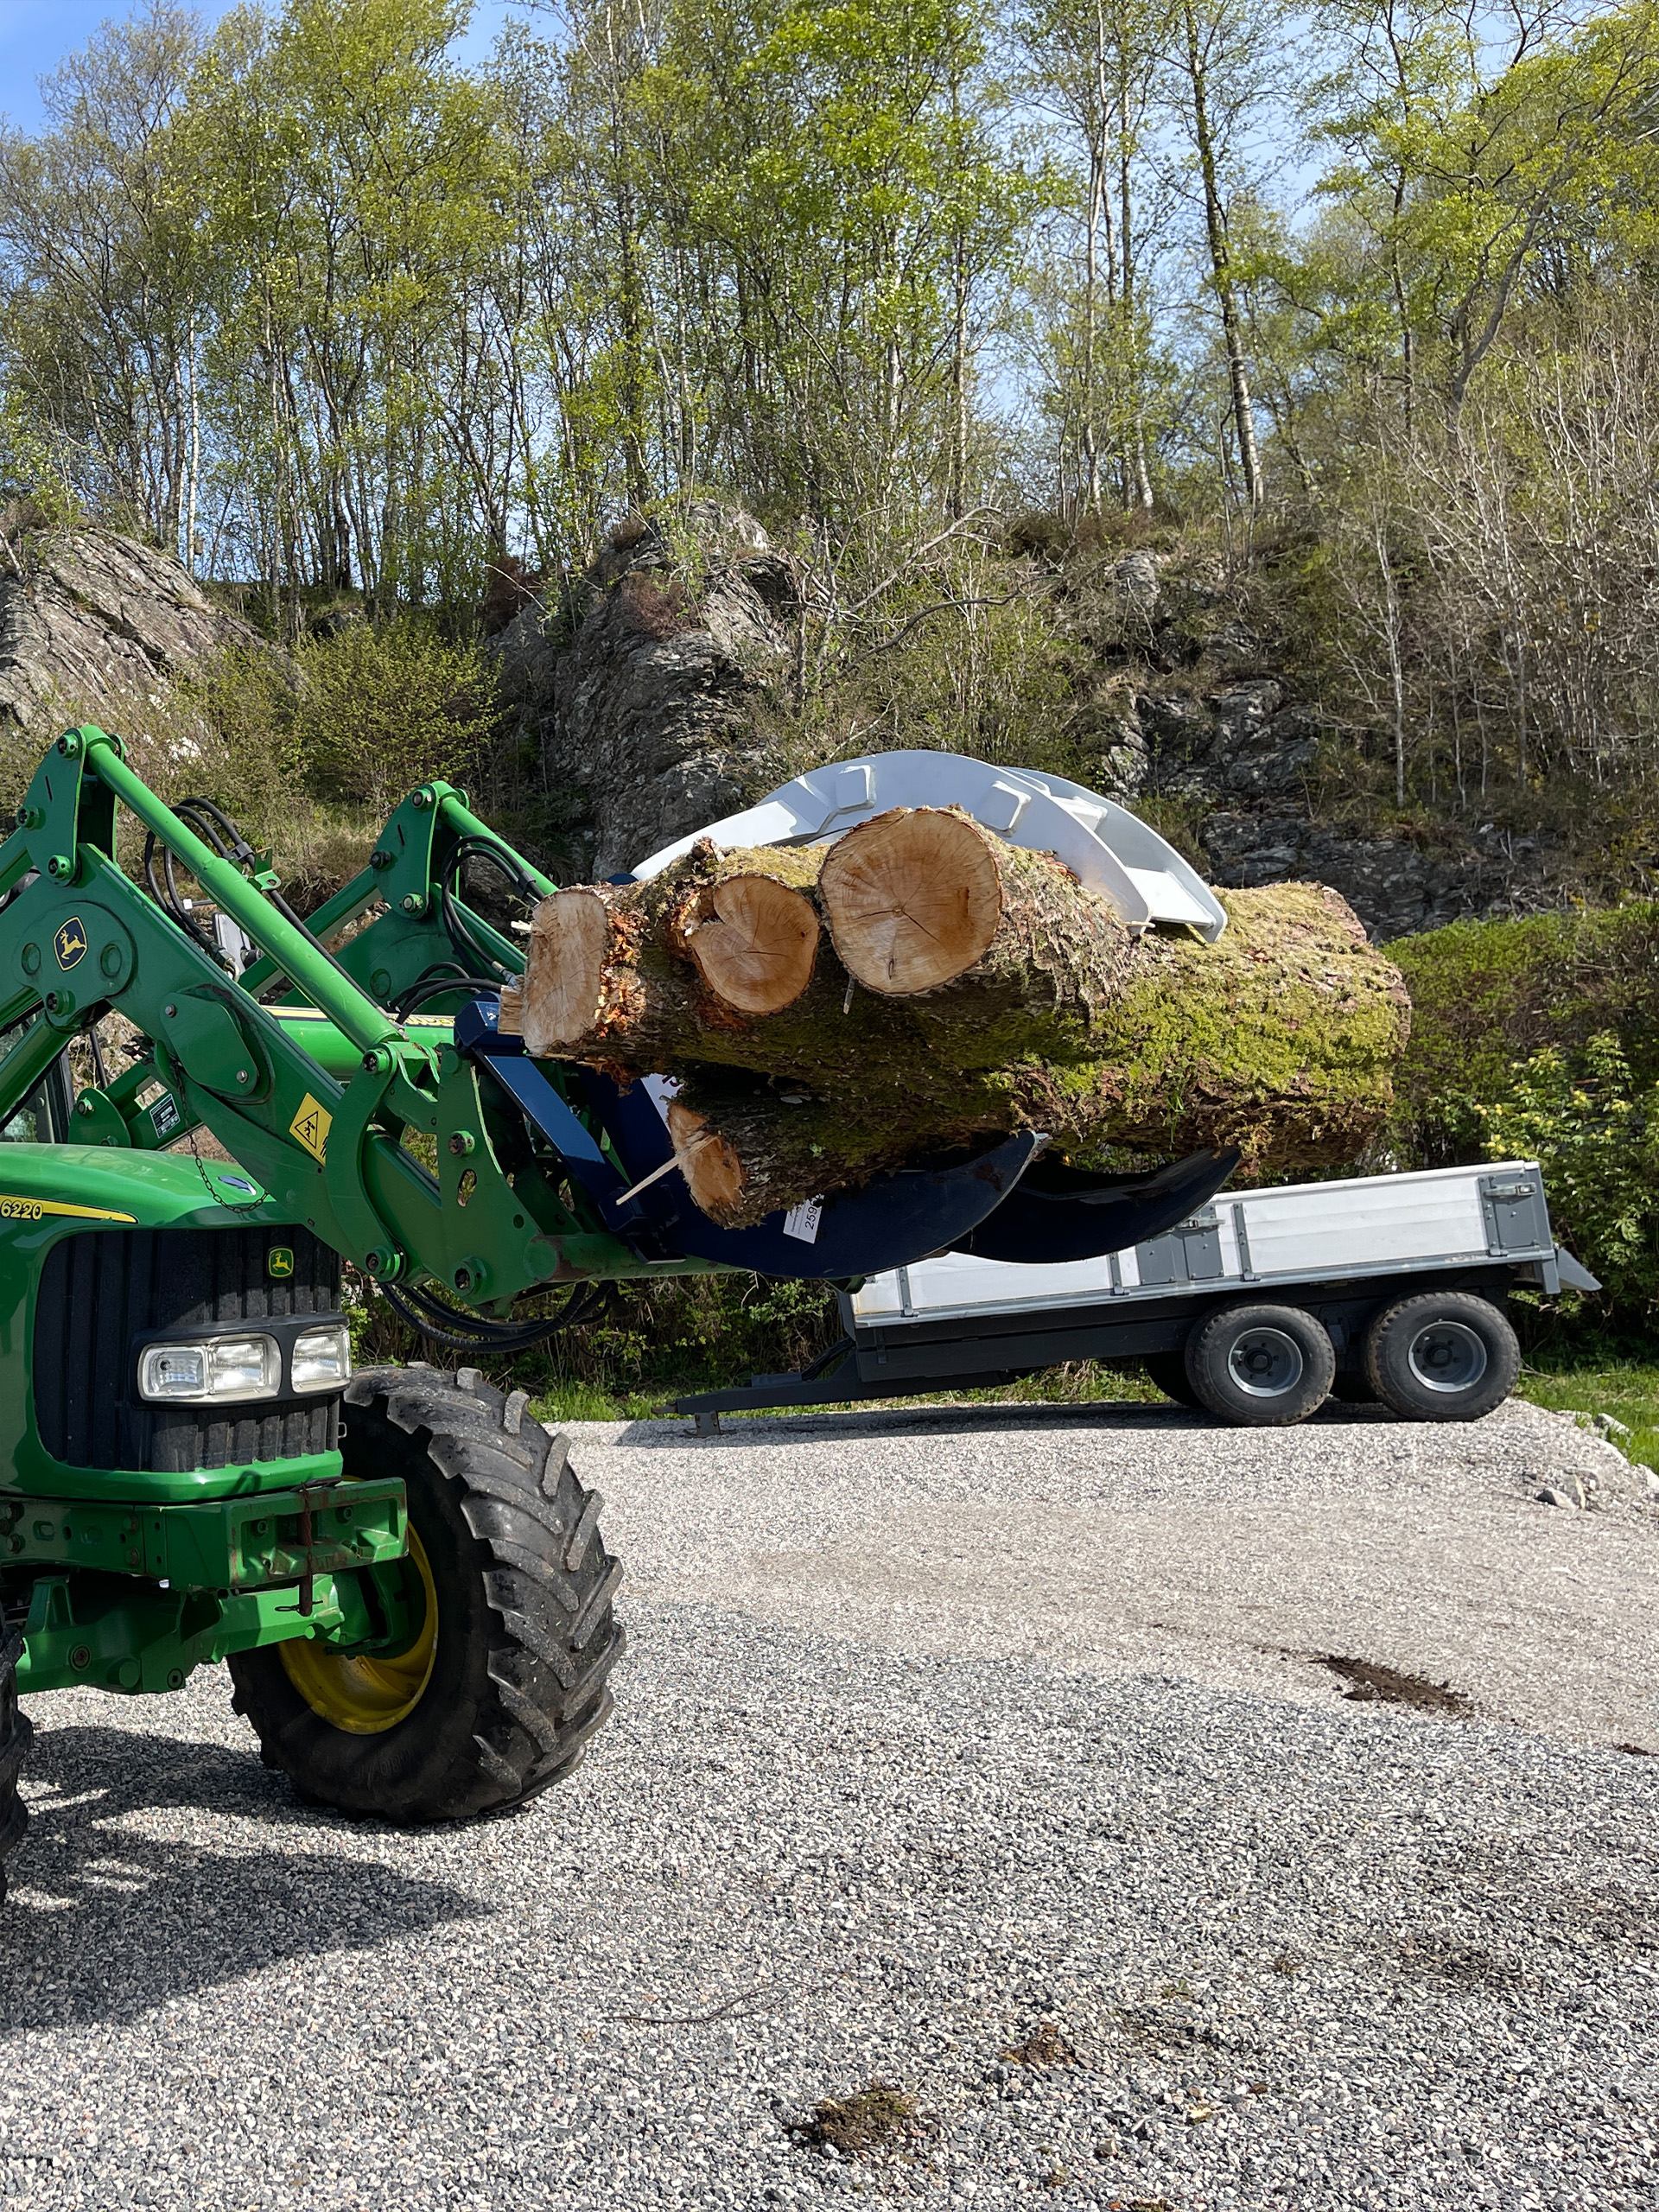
pixel 215 1370
pixel 322 1358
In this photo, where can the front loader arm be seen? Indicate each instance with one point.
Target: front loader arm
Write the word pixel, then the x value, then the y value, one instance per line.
pixel 324 1134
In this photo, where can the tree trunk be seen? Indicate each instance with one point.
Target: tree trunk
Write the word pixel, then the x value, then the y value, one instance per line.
pixel 834 1012
pixel 946 944
pixel 1215 219
pixel 1281 1039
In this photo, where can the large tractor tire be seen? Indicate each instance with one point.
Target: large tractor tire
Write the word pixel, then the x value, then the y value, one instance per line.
pixel 15 1733
pixel 506 1599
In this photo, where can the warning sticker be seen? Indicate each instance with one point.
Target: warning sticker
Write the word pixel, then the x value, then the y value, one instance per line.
pixel 311 1126
pixel 803 1220
pixel 164 1114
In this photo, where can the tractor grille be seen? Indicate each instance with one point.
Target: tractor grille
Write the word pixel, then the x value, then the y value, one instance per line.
pixel 101 1289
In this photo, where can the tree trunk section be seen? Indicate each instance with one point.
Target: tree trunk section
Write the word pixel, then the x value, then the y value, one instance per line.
pixel 638 976
pixel 1280 1039
pixel 960 949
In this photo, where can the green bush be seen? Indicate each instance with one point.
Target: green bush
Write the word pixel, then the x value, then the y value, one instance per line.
pixel 1487 996
pixel 1537 1038
pixel 221 732
pixel 1593 1129
pixel 377 709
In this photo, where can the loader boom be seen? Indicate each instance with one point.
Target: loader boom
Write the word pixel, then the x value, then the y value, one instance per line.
pixel 376 1132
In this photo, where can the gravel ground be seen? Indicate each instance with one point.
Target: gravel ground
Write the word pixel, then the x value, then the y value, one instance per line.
pixel 944 1738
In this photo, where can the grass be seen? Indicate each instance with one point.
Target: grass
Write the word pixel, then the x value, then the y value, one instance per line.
pixel 1628 1390
pixel 1080 1382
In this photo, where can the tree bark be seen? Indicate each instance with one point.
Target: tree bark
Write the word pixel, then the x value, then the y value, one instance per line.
pixel 1215 218
pixel 1281 1038
pixel 946 945
pixel 1042 1012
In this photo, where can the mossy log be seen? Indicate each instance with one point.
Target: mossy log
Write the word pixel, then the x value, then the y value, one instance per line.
pixel 1280 1039
pixel 733 958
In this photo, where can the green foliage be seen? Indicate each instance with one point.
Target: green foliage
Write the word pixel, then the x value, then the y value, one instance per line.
pixel 1487 995
pixel 1538 1038
pixel 1594 1131
pixel 378 708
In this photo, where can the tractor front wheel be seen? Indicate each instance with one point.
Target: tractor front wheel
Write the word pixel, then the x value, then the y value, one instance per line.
pixel 492 1679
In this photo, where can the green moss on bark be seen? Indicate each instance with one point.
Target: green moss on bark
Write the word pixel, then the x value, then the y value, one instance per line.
pixel 1281 1038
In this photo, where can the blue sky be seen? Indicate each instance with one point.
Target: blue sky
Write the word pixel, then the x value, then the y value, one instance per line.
pixel 35 34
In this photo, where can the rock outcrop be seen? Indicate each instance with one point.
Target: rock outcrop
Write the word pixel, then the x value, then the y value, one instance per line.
pixel 1189 708
pixel 647 690
pixel 639 694
pixel 85 612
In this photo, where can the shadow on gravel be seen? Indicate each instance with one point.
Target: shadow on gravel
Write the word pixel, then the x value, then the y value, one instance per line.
pixel 104 1922
pixel 1119 1414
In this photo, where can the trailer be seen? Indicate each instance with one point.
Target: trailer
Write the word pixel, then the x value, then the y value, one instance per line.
pixel 1256 1308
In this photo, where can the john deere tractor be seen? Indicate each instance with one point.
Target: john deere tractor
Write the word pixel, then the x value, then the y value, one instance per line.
pixel 407 1579
pixel 404 1574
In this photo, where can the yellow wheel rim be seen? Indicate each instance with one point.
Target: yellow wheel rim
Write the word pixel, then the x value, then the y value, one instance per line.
pixel 367 1696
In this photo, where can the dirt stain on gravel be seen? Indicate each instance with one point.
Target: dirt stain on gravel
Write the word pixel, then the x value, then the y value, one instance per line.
pixel 1373 1684
pixel 879 2118
pixel 1168 2027
pixel 1044 2046
pixel 1446 1960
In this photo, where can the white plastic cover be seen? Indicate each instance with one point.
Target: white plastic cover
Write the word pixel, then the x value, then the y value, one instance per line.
pixel 1106 847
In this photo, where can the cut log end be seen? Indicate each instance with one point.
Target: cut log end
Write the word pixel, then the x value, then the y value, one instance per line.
pixel 913 898
pixel 714 1173
pixel 757 951
pixel 565 974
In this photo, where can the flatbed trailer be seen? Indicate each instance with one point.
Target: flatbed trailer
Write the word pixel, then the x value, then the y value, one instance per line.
pixel 1257 1308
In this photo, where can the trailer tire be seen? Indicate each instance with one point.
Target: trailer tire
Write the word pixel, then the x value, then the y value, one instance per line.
pixel 15 1734
pixel 1261 1366
pixel 1443 1355
pixel 502 1696
pixel 1166 1371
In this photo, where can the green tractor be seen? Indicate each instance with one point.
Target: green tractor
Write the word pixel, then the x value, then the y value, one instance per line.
pixel 402 1571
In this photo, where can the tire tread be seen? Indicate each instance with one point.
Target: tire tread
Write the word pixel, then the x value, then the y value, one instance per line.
pixel 537 1688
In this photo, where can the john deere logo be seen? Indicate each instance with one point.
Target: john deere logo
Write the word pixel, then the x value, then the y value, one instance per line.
pixel 70 943
pixel 280 1260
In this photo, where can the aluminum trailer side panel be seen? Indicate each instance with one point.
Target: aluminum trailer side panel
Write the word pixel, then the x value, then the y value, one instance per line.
pixel 1341 1251
pixel 1373 1225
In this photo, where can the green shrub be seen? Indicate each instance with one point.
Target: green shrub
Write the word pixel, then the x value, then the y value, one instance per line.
pixel 1488 996
pixel 221 732
pixel 1594 1130
pixel 377 709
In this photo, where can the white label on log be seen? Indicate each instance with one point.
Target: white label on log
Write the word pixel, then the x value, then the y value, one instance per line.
pixel 803 1220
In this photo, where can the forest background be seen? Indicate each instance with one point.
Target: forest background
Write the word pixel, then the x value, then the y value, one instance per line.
pixel 1344 315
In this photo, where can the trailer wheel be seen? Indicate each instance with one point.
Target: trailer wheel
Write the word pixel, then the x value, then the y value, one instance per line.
pixel 15 1734
pixel 505 1601
pixel 1442 1355
pixel 1261 1366
pixel 1166 1371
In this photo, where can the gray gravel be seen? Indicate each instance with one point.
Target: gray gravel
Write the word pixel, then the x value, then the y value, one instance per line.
pixel 904 1768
